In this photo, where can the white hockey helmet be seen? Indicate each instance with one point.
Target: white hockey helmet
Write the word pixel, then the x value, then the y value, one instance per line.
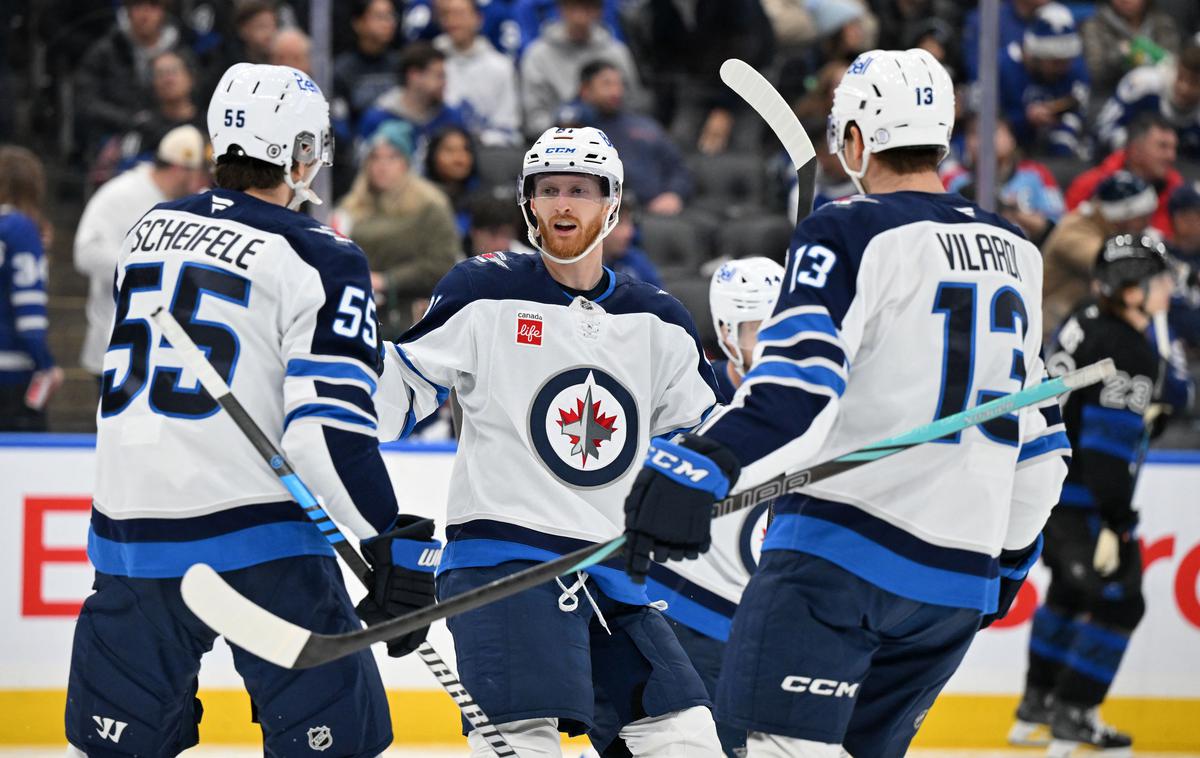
pixel 898 98
pixel 276 114
pixel 584 150
pixel 743 290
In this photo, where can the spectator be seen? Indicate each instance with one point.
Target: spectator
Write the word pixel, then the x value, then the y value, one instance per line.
pixel 114 81
pixel 1015 17
pixel 902 21
pixel 654 166
pixel 420 100
pixel 620 252
pixel 477 74
pixel 257 23
pixel 291 47
pixel 940 39
pixel 1123 204
pixel 450 165
pixel 1149 155
pixel 499 25
pixel 1044 85
pixel 1122 35
pixel 402 222
pixel 842 28
pixel 497 224
pixel 532 16
pixel 1184 207
pixel 818 101
pixel 1028 194
pixel 552 63
pixel 28 373
pixel 1171 89
pixel 361 75
pixel 178 169
pixel 173 106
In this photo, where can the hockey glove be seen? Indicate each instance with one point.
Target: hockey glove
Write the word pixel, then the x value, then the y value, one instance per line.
pixel 1014 567
pixel 401 580
pixel 669 510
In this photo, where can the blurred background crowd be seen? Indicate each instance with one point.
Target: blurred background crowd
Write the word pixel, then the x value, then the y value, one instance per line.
pixel 435 101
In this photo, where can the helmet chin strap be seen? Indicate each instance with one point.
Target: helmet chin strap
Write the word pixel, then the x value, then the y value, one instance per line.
pixel 300 190
pixel 855 176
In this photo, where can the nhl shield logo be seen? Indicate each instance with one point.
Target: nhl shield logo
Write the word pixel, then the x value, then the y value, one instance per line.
pixel 320 738
pixel 583 426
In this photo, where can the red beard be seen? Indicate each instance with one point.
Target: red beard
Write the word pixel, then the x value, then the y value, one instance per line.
pixel 572 246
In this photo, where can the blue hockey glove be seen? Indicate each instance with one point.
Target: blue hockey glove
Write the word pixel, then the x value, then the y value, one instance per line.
pixel 1014 567
pixel 402 560
pixel 669 510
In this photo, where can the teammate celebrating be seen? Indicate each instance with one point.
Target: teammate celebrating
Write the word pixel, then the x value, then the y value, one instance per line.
pixel 1094 600
pixel 897 307
pixel 283 308
pixel 701 596
pixel 564 371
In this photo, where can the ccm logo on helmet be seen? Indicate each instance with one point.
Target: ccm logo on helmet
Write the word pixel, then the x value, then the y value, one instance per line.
pixel 554 150
pixel 823 687
pixel 676 465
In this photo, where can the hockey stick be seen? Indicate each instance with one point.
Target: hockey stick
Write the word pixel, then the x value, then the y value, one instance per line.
pixel 216 387
pixel 291 646
pixel 753 87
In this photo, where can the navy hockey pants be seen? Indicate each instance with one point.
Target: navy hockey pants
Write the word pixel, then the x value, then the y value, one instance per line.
pixel 817 653
pixel 523 658
pixel 136 656
pixel 706 655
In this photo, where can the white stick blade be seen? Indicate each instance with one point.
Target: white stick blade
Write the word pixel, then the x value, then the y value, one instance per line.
pixel 1089 375
pixel 753 87
pixel 239 620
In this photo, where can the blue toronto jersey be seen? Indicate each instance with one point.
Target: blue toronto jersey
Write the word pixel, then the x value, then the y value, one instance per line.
pixel 282 307
pixel 561 393
pixel 23 319
pixel 873 283
pixel 1147 89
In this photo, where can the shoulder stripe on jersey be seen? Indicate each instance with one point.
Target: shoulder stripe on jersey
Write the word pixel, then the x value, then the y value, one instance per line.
pixel 795 321
pixel 820 378
pixel 326 410
pixel 330 371
pixel 1045 444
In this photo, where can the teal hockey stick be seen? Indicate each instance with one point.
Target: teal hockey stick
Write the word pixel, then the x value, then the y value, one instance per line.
pixel 292 646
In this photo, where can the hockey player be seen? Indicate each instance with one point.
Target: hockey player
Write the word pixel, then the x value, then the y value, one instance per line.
pixel 564 371
pixel 701 596
pixel 1094 600
pixel 897 307
pixel 282 306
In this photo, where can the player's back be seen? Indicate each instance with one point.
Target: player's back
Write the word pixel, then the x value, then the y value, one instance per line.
pixel 896 310
pixel 257 287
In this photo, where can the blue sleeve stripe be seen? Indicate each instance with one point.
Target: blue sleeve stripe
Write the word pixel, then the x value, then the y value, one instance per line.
pixel 1043 445
pixel 442 392
pixel 811 374
pixel 324 410
pixel 790 327
pixel 303 367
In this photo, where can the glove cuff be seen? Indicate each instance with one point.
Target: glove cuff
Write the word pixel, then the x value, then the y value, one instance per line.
pixel 688 467
pixel 716 452
pixel 417 556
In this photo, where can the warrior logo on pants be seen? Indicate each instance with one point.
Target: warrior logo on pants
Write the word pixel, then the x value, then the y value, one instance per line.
pixel 583 426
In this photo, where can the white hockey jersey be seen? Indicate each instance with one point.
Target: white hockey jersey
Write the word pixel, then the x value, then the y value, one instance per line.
pixel 560 392
pixel 896 310
pixel 282 306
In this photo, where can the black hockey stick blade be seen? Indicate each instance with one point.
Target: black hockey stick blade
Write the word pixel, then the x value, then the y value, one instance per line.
pixel 257 630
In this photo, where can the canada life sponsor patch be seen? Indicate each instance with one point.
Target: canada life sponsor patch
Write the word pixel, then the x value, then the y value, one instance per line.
pixel 529 328
pixel 583 427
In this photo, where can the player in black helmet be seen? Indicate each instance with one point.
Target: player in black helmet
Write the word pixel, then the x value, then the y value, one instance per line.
pixel 1094 600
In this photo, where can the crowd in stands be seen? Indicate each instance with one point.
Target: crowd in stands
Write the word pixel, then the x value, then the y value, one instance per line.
pixel 435 101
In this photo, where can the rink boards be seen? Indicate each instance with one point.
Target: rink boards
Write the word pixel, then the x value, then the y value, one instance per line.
pixel 45 483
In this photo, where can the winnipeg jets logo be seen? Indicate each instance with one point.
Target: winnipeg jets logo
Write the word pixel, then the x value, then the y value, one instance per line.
pixel 587 427
pixel 583 427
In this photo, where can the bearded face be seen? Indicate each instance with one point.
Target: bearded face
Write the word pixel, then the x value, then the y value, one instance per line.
pixel 566 236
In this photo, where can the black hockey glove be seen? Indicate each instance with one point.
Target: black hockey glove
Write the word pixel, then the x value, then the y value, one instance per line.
pixel 401 581
pixel 1014 567
pixel 669 510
